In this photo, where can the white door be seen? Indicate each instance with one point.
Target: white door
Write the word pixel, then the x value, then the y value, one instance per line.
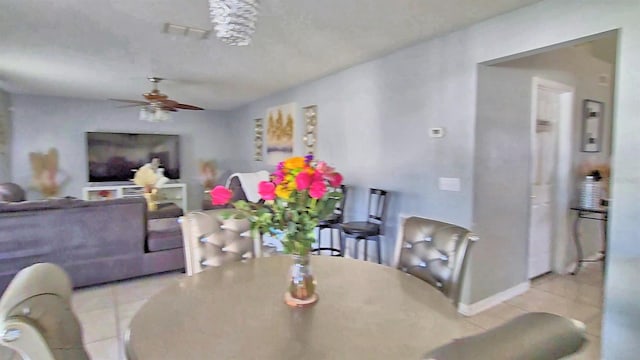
pixel 547 113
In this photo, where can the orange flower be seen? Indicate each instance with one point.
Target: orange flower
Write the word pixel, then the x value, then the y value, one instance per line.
pixel 293 163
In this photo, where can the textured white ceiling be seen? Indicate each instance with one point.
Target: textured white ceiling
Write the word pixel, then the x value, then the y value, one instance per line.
pixel 103 49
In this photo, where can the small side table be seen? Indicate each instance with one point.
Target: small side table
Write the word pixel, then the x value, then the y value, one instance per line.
pixel 599 214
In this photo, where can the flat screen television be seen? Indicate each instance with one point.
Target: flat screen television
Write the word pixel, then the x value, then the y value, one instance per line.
pixel 115 156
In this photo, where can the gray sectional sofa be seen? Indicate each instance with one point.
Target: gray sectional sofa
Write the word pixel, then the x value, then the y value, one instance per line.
pixel 94 241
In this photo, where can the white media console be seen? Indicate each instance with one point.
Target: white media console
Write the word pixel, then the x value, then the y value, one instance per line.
pixel 173 192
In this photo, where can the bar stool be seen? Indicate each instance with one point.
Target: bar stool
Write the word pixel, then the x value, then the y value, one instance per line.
pixel 332 222
pixel 369 230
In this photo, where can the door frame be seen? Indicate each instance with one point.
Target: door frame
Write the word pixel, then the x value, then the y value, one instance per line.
pixel 562 174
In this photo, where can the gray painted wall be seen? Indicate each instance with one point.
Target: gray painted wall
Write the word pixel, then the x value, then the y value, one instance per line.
pixel 374 120
pixel 5 137
pixel 41 122
pixel 501 202
pixel 503 162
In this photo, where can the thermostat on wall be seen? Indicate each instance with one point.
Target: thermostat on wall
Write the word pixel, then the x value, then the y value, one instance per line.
pixel 436 132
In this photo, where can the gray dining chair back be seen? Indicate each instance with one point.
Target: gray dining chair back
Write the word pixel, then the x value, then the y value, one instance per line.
pixel 434 251
pixel 36 319
pixel 531 336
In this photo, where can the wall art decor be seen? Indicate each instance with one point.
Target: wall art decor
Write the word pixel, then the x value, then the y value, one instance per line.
pixel 46 178
pixel 280 130
pixel 310 138
pixel 257 139
pixel 592 119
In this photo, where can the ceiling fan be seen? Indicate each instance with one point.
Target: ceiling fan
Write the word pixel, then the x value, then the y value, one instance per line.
pixel 157 104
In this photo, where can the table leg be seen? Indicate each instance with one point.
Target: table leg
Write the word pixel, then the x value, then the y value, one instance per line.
pixel 576 239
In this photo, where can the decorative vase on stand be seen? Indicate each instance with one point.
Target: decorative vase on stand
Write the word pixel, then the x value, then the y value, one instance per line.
pixel 302 284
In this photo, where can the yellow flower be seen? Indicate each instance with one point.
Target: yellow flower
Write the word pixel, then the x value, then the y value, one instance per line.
pixel 296 162
pixel 283 192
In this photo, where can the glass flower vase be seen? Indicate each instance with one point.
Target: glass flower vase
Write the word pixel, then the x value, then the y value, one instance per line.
pixel 302 284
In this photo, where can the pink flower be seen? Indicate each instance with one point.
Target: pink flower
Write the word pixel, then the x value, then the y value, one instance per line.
pixel 267 190
pixel 335 179
pixel 303 180
pixel 277 177
pixel 220 195
pixel 317 189
pixel 323 168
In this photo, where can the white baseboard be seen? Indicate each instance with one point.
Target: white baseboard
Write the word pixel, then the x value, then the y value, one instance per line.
pixel 493 300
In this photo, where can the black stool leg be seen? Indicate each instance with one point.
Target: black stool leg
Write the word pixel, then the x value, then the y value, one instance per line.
pixel 355 247
pixel 343 243
pixel 378 245
pixel 319 238
pixel 331 237
pixel 366 250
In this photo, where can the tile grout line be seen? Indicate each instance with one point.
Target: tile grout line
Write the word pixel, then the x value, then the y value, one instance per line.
pixel 116 313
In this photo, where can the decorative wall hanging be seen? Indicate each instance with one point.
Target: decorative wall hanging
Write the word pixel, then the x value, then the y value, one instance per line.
pixel 46 177
pixel 208 174
pixel 593 112
pixel 257 140
pixel 280 125
pixel 310 137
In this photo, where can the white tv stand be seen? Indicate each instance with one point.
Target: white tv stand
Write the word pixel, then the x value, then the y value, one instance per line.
pixel 169 193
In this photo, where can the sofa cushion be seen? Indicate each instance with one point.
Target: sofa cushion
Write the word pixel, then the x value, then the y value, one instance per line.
pixel 170 210
pixel 164 234
pixel 164 240
pixel 61 203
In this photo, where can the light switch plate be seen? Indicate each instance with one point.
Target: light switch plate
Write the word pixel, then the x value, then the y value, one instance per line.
pixel 436 132
pixel 449 184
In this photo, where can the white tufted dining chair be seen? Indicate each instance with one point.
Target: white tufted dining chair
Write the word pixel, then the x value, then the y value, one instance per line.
pixel 434 251
pixel 531 336
pixel 210 239
pixel 36 319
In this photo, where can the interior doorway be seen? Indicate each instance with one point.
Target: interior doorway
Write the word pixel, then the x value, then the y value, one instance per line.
pixel 505 134
pixel 551 119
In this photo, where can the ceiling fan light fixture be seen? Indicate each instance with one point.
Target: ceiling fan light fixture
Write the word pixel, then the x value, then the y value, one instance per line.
pixel 154 114
pixel 234 20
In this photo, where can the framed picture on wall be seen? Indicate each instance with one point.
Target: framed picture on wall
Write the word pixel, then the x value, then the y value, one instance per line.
pixel 280 122
pixel 592 114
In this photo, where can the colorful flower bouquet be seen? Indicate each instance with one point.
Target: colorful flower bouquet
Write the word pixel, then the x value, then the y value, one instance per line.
pixel 301 192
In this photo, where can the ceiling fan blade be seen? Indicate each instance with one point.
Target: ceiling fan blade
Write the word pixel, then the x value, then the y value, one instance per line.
pixel 131 105
pixel 187 107
pixel 169 102
pixel 137 102
pixel 177 105
pixel 168 108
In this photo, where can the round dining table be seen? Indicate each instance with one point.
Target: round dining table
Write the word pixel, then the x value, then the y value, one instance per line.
pixel 237 311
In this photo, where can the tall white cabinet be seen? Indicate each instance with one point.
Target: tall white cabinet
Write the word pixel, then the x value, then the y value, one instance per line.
pixel 169 193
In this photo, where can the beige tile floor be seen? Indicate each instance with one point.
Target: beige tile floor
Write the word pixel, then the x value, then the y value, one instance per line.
pixel 105 311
